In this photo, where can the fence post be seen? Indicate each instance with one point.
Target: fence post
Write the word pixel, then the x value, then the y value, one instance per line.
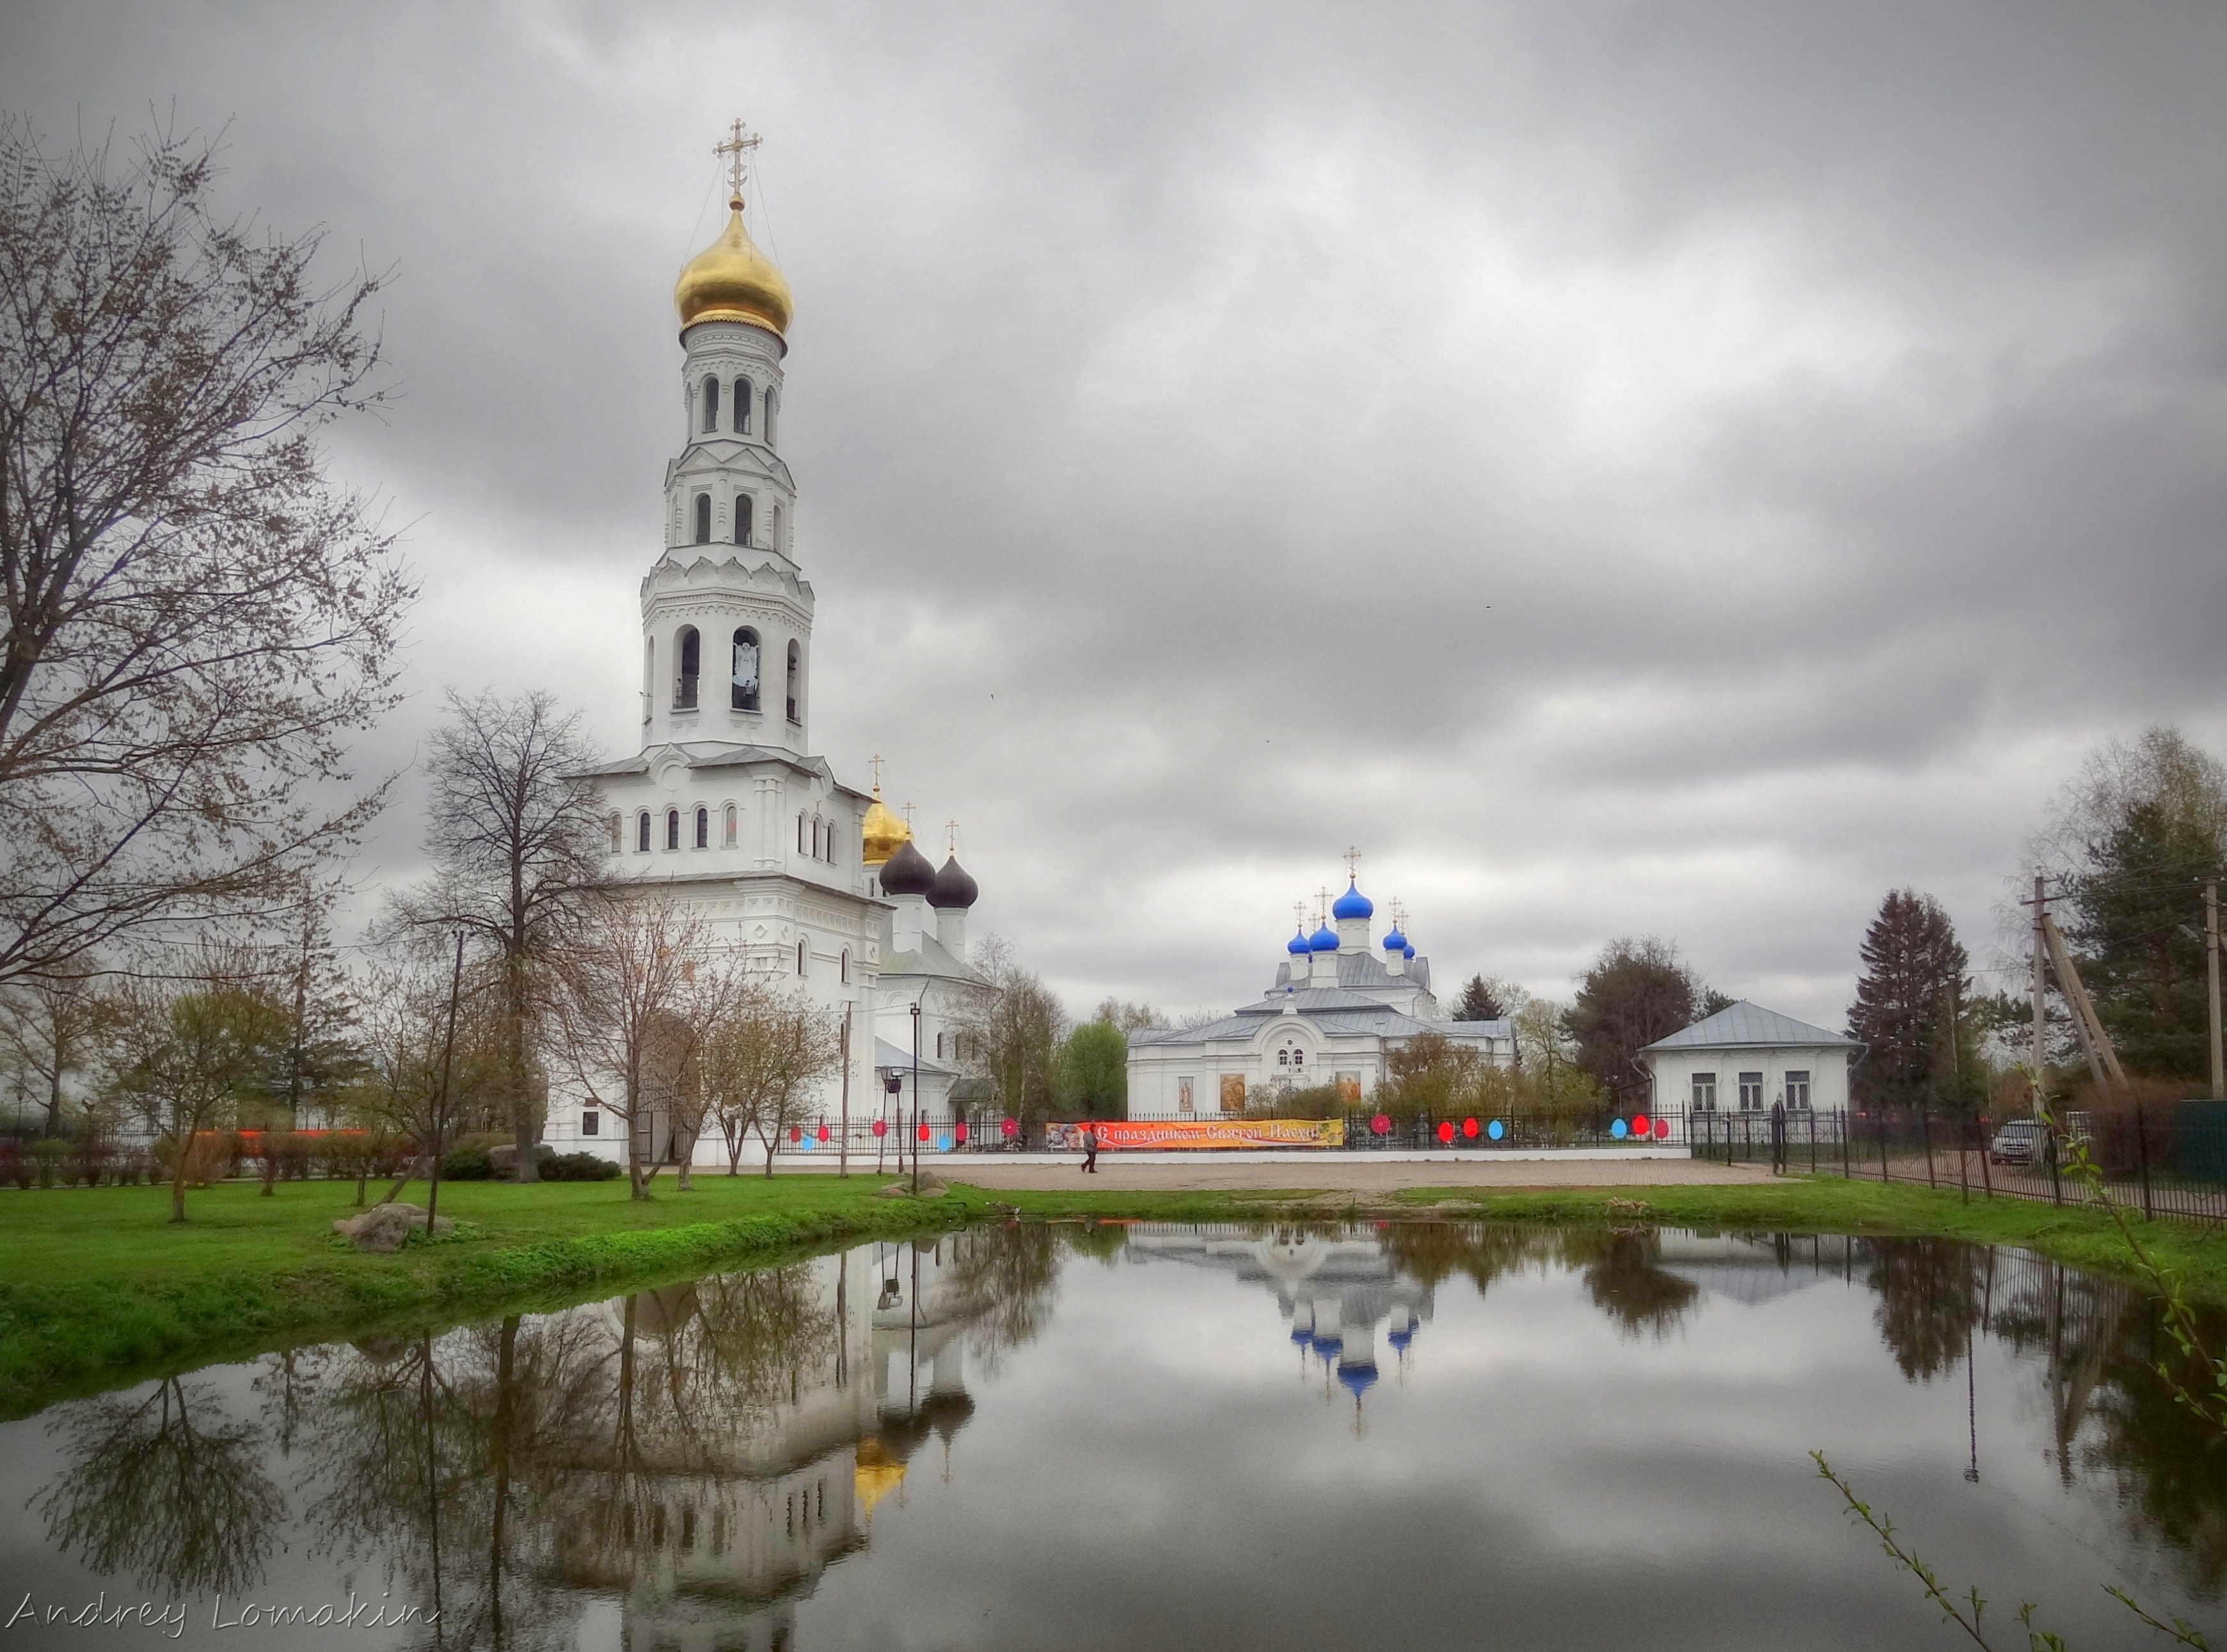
pixel 1925 1129
pixel 2056 1182
pixel 2142 1149
pixel 1964 1164
pixel 1882 1136
pixel 1810 1124
pixel 1987 1176
pixel 1847 1164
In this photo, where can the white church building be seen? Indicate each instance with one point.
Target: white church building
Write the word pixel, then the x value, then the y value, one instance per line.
pixel 1337 1008
pixel 726 808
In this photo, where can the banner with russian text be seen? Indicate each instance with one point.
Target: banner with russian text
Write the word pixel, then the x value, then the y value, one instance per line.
pixel 1124 1135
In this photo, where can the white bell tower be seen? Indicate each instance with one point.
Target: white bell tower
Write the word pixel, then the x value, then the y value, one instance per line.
pixel 726 616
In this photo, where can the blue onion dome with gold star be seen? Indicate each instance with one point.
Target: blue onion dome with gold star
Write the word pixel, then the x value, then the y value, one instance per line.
pixel 1395 941
pixel 1323 939
pixel 1353 904
pixel 955 888
pixel 908 871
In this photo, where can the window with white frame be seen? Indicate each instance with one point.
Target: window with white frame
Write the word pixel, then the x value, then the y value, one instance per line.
pixel 1797 1090
pixel 1750 1092
pixel 1705 1092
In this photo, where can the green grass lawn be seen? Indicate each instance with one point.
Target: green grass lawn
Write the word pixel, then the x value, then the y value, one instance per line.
pixel 97 1287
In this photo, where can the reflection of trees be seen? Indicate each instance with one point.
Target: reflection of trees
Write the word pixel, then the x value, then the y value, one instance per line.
pixel 170 1488
pixel 1001 1278
pixel 1624 1282
pixel 2172 1461
pixel 1929 1292
pixel 1433 1252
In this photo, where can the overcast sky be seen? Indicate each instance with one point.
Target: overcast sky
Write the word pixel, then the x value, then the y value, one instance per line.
pixel 1628 468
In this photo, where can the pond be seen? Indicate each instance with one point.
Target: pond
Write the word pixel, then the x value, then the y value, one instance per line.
pixel 1413 1435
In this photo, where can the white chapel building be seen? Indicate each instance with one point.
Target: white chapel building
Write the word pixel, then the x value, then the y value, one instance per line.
pixel 1337 1008
pixel 725 806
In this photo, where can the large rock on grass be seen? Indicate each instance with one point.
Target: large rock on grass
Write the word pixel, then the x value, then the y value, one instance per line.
pixel 384 1229
pixel 931 1187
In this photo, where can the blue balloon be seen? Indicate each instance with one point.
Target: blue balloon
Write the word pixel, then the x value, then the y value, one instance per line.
pixel 943 1142
pixel 1496 1130
pixel 1619 1130
pixel 804 1146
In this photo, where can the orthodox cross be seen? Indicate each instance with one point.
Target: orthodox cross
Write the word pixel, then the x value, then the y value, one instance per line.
pixel 951 837
pixel 1299 914
pixel 877 761
pixel 1399 914
pixel 733 150
pixel 1322 906
pixel 908 813
pixel 1353 865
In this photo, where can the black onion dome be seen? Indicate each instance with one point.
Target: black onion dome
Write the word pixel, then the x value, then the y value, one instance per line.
pixel 906 872
pixel 953 888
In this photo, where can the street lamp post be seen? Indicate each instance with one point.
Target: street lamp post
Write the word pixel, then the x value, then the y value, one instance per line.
pixel 917 1126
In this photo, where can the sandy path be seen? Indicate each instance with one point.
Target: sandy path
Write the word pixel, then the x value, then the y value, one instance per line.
pixel 1354 1177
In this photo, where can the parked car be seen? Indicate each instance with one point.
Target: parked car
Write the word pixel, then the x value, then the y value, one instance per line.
pixel 2018 1142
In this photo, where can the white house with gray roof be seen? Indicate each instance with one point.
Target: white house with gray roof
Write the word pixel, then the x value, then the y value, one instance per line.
pixel 1334 1013
pixel 1744 1058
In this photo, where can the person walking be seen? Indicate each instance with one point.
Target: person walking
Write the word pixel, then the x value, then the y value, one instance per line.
pixel 1089 1151
pixel 1779 1137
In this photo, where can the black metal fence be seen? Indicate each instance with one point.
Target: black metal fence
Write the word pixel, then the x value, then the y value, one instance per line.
pixel 2168 1161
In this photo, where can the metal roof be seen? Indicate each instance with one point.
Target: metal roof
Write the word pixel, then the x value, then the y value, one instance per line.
pixel 1746 1023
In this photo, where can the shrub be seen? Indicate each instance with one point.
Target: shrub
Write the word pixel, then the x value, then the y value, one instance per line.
pixel 578 1167
pixel 466 1164
pixel 50 1160
pixel 16 1162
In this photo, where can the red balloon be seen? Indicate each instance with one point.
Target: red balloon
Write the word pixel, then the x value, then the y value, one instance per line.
pixel 881 1127
pixel 1639 1126
pixel 958 1132
pixel 796 1133
pixel 1469 1127
pixel 1382 1123
pixel 823 1132
pixel 1662 1130
pixel 1012 1127
pixel 1446 1130
pixel 923 1133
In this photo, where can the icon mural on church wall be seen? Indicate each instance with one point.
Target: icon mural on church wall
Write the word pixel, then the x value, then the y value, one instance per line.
pixel 1232 1091
pixel 1184 1103
pixel 1349 1088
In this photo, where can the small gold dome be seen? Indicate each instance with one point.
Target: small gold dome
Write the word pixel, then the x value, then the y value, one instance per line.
pixel 731 281
pixel 884 831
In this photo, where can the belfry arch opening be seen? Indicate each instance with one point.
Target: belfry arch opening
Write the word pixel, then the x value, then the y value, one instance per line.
pixel 711 405
pixel 795 680
pixel 742 680
pixel 690 651
pixel 742 406
pixel 743 519
pixel 703 519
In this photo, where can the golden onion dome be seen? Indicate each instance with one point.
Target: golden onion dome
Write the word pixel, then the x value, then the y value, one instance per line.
pixel 883 832
pixel 731 281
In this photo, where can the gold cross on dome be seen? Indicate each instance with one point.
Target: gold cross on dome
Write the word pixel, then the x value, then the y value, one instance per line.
pixel 877 761
pixel 734 149
pixel 1353 865
pixel 1299 913
pixel 1322 906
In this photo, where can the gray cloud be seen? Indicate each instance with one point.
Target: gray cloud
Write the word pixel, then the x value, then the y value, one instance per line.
pixel 1628 470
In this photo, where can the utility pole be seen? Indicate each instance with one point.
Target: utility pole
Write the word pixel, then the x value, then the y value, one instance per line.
pixel 2211 982
pixel 842 1140
pixel 440 1120
pixel 2040 989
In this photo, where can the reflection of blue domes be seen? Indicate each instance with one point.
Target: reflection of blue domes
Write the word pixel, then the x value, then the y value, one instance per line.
pixel 1400 1339
pixel 1297 943
pixel 1395 941
pixel 1302 1337
pixel 1325 939
pixel 1357 1379
pixel 1353 904
pixel 1325 1346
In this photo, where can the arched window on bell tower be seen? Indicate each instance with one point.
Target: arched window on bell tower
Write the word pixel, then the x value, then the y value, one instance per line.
pixel 773 403
pixel 703 827
pixel 774 538
pixel 742 406
pixel 711 405
pixel 742 515
pixel 743 677
pixel 703 519
pixel 795 678
pixel 691 655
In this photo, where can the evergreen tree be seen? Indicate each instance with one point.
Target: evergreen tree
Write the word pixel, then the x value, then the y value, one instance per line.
pixel 1636 991
pixel 1909 1005
pixel 1480 1000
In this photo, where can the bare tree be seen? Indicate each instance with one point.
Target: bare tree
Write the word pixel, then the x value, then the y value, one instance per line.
pixel 421 1027
pixel 191 1049
pixel 48 1024
pixel 629 975
pixel 197 614
pixel 518 842
pixel 764 1064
